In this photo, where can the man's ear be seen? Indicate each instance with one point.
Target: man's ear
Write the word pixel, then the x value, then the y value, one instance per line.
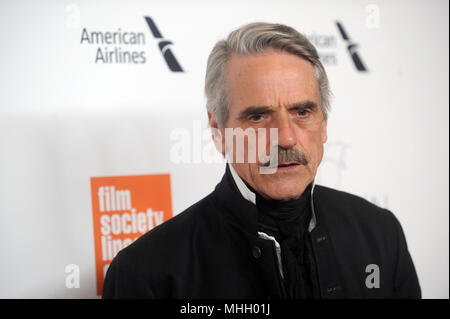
pixel 217 134
pixel 324 131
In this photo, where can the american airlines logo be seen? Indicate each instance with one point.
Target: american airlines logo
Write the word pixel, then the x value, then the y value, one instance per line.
pixel 163 45
pixel 124 46
pixel 351 48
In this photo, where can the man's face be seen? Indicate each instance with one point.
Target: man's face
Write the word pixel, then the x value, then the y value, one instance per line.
pixel 275 89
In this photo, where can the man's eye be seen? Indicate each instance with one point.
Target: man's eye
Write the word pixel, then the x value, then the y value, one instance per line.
pixel 256 117
pixel 302 112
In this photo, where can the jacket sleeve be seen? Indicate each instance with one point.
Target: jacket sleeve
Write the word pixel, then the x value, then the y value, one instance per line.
pixel 124 280
pixel 406 283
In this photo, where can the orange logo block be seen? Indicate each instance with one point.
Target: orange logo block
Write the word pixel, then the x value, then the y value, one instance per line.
pixel 124 208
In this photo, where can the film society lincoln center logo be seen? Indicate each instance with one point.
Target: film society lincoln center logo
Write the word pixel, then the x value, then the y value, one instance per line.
pixel 124 208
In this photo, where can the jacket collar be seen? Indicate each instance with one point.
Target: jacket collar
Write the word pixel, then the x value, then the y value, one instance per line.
pixel 240 210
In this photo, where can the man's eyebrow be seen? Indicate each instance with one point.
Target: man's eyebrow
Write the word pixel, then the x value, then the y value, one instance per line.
pixel 262 109
pixel 253 110
pixel 303 105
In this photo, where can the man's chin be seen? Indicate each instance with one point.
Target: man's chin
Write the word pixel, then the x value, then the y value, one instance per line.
pixel 282 194
pixel 285 188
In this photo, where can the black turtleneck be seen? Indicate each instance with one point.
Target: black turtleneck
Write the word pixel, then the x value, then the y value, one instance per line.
pixel 288 222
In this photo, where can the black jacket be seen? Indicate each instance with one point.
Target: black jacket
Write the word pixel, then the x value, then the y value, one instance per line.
pixel 212 250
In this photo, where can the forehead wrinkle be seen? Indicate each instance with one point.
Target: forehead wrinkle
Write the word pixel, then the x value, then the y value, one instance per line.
pixel 276 87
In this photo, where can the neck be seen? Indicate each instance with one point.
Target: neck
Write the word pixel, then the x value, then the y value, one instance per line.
pixel 281 207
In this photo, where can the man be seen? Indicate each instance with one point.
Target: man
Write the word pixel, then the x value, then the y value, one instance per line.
pixel 269 234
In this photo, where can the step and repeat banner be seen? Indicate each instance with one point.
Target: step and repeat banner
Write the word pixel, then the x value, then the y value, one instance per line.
pixel 104 136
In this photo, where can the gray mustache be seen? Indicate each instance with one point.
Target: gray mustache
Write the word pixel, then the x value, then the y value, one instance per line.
pixel 286 155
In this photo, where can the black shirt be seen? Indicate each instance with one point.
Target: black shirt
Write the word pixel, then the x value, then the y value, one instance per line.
pixel 288 221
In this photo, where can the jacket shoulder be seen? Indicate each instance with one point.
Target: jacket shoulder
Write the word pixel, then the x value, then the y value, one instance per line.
pixel 148 265
pixel 174 233
pixel 347 203
pixel 342 210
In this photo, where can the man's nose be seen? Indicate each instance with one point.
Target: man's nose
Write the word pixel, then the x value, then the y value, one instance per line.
pixel 286 132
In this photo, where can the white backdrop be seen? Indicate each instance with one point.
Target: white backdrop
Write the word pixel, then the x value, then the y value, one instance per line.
pixel 65 119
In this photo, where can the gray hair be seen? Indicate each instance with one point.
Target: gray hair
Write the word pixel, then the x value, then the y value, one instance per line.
pixel 255 38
